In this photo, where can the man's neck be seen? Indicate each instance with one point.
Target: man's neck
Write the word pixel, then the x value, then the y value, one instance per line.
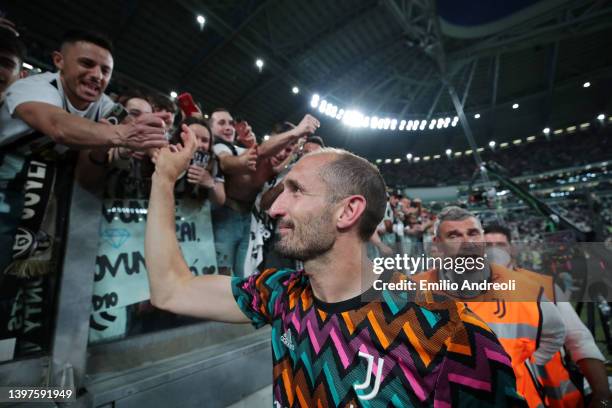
pixel 340 274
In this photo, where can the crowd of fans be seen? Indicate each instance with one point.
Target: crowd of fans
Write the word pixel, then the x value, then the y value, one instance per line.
pixel 582 146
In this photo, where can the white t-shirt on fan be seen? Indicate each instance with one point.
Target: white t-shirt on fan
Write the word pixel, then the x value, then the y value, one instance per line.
pixel 45 88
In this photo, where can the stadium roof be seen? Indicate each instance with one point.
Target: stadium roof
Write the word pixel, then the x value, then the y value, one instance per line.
pixel 389 58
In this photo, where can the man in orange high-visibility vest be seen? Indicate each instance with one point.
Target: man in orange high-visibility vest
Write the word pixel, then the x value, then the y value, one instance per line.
pixel 579 342
pixel 525 332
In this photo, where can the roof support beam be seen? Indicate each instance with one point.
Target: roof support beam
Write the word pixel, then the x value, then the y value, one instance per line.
pixel 520 38
pixel 435 102
pixel 466 92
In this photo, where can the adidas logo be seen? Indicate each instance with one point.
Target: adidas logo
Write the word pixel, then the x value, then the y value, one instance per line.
pixel 287 341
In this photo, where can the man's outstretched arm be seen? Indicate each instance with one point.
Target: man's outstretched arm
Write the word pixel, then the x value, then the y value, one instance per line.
pixel 173 287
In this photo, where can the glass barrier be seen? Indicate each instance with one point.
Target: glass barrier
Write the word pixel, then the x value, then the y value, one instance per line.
pixel 120 303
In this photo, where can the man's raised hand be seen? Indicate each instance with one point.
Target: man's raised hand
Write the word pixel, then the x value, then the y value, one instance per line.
pixel 172 161
pixel 307 126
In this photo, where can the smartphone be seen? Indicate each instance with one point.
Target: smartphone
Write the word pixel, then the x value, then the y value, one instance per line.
pixel 241 130
pixel 117 114
pixel 243 135
pixel 186 103
pixel 200 158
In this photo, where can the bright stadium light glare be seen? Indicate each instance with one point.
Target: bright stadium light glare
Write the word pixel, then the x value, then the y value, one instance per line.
pixel 492 144
pixel 440 123
pixel 373 122
pixel 601 116
pixel 409 156
pixel 201 20
pixel 340 114
pixel 546 130
pixel 387 161
pixel 515 106
pixel 586 84
pixel 455 120
pixel 386 123
pixel 396 161
pixel 259 63
pixel 323 106
pixel 333 112
pixel 356 119
pixel 381 123
pixel 402 124
pixel 423 124
pixel 378 161
pixel 27 66
pixel 393 124
pixel 314 102
pixel 449 152
pixel 409 125
pixel 295 90
pixel 173 94
pixel 477 116
pixel 266 137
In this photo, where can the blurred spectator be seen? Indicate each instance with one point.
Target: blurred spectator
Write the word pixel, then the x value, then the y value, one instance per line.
pixel 312 144
pixel 12 53
pixel 161 103
pixel 568 150
pixel 203 174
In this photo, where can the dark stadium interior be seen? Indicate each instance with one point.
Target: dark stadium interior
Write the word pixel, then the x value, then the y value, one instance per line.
pixel 376 56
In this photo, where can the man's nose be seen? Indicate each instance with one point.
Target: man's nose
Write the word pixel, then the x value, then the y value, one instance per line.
pixel 96 73
pixel 277 209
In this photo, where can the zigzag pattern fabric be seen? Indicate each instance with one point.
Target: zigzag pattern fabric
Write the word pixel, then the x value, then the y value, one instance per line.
pixel 403 349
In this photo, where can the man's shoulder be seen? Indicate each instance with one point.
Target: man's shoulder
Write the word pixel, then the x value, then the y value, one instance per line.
pixel 45 77
pixel 442 311
pixel 40 87
pixel 279 278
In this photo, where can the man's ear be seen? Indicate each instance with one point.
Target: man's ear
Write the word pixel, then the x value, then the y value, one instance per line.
pixel 58 60
pixel 351 211
pixel 23 73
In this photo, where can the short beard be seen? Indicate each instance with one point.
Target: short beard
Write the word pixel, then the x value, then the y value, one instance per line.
pixel 313 239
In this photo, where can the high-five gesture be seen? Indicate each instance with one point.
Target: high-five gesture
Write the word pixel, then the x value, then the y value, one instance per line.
pixel 171 162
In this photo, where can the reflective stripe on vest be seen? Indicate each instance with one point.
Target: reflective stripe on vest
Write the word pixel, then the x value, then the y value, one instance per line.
pixel 558 387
